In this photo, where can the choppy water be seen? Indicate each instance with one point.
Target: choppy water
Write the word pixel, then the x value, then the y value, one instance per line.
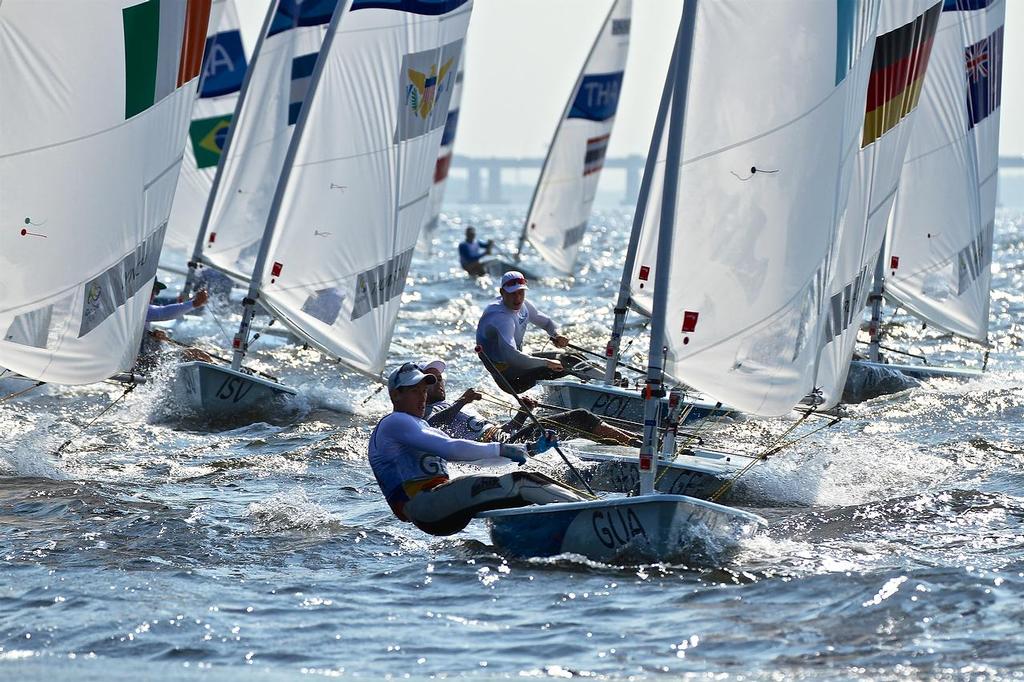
pixel 160 547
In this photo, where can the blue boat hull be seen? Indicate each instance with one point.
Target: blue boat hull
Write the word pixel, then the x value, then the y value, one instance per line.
pixel 647 528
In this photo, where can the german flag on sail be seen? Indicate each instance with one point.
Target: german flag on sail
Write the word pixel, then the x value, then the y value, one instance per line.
pixel 163 49
pixel 897 73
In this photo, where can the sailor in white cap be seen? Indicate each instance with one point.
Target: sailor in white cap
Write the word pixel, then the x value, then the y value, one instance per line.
pixel 499 336
pixel 409 460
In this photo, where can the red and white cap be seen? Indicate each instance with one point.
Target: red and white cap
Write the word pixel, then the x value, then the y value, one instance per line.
pixel 512 281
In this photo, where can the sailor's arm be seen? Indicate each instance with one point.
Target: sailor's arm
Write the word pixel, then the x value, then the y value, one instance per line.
pixel 547 324
pixel 451 449
pixel 502 343
pixel 445 416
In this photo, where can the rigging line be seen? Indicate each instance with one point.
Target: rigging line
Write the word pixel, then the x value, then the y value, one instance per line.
pixel 22 391
pixel 128 389
pixel 790 443
pixel 496 374
pixel 549 419
pixel 759 458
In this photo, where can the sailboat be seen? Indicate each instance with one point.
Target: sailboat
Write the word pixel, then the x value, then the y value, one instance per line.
pixel 89 159
pixel 352 193
pixel 564 196
pixel 755 340
pixel 938 251
pixel 900 65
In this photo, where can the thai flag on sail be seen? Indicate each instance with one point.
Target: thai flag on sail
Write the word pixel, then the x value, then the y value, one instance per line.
pixel 594 159
pixel 302 75
pixel 598 97
pixel 984 62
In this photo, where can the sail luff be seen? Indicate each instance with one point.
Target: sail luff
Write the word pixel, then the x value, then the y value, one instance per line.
pixel 204 226
pixel 249 307
pixel 650 169
pixel 655 368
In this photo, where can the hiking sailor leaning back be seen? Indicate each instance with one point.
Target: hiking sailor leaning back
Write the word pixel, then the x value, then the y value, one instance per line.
pixel 459 420
pixel 500 337
pixel 409 460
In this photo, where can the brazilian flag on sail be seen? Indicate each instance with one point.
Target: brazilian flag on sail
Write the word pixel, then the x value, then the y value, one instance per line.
pixel 163 49
pixel 208 136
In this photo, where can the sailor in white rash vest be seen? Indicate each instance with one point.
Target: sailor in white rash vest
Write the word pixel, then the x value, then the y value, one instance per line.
pixel 409 460
pixel 500 332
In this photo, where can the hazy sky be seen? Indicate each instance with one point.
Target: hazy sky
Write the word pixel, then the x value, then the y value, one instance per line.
pixel 524 56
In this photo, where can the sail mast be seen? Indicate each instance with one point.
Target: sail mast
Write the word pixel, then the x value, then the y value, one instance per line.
pixel 240 342
pixel 655 364
pixel 561 121
pixel 197 250
pixel 622 304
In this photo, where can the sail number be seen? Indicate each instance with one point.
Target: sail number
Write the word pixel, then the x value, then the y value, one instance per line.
pixel 615 528
pixel 610 405
pixel 233 389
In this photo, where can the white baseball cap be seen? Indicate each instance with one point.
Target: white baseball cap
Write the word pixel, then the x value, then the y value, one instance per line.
pixel 512 281
pixel 408 374
pixel 436 363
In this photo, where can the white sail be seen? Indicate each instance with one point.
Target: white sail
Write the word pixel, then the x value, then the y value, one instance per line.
pixel 96 102
pixel 771 132
pixel 939 246
pixel 354 198
pixel 906 32
pixel 281 74
pixel 558 215
pixel 444 157
pixel 224 64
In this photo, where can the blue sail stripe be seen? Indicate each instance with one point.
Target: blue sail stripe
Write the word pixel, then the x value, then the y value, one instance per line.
pixel 427 7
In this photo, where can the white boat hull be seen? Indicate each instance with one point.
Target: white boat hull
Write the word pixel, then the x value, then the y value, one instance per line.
pixel 699 475
pixel 219 392
pixel 617 402
pixel 651 527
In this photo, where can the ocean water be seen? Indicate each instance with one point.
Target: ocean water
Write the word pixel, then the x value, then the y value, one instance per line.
pixel 160 546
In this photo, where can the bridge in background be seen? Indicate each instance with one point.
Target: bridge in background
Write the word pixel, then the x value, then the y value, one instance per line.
pixel 489 169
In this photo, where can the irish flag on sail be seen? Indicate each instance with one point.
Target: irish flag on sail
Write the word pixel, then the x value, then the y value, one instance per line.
pixel 163 49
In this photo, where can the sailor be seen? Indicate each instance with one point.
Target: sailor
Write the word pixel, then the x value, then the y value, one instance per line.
pixel 409 460
pixel 471 251
pixel 152 339
pixel 500 333
pixel 459 421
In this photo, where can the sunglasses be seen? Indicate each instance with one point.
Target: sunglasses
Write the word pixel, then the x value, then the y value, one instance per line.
pixel 518 280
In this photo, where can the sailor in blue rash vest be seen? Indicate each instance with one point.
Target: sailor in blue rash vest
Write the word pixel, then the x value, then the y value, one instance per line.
pixel 409 460
pixel 153 339
pixel 458 420
pixel 471 251
pixel 500 332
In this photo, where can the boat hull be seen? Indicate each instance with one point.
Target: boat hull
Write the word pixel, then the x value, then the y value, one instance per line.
pixel 699 475
pixel 651 527
pixel 925 371
pixel 219 392
pixel 617 402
